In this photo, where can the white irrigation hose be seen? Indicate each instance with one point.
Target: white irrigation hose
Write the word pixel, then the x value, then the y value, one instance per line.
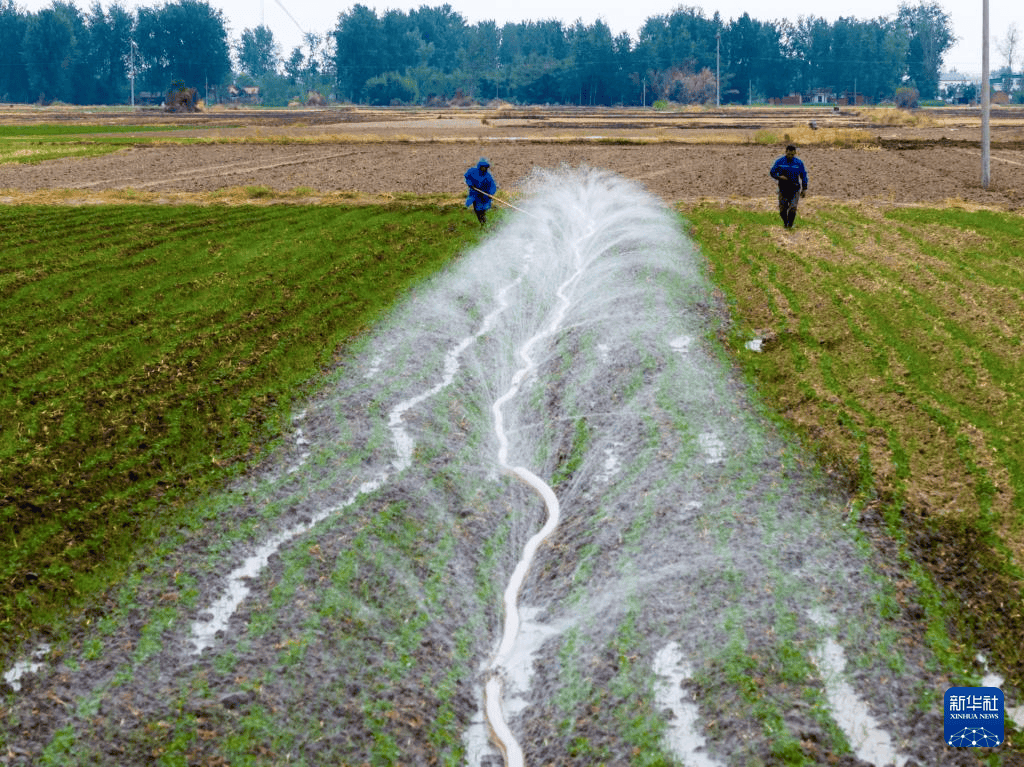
pixel 493 690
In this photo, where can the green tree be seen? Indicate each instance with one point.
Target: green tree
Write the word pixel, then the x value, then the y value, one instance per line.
pixel 510 49
pixel 258 53
pixel 930 34
pixel 594 62
pixel 685 37
pixel 402 46
pixel 622 87
pixel 753 60
pixel 108 52
pixel 676 45
pixel 879 50
pixel 444 30
pixel 479 57
pixel 295 66
pixel 52 50
pixel 391 88
pixel 13 71
pixel 183 40
pixel 358 50
pixel 809 42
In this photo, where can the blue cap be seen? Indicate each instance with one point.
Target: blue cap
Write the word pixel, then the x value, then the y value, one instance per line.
pixel 484 161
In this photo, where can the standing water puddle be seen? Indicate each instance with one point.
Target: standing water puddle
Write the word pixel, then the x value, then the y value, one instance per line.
pixel 684 735
pixel 870 742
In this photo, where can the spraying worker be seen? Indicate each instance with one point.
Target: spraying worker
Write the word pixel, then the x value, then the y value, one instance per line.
pixel 789 171
pixel 481 189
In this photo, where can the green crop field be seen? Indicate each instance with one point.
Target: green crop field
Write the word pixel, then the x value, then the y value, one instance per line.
pixel 892 342
pixel 36 143
pixel 147 351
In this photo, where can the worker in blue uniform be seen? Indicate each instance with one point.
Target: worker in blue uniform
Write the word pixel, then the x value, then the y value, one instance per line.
pixel 791 174
pixel 481 189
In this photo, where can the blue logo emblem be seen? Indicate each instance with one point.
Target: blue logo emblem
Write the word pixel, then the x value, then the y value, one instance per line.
pixel 974 717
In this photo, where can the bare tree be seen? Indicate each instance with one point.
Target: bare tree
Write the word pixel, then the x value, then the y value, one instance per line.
pixel 1009 46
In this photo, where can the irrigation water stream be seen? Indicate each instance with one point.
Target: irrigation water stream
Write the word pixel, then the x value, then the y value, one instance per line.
pixel 537 502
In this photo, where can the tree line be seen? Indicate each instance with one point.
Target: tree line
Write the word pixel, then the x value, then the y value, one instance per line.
pixel 432 55
pixel 62 54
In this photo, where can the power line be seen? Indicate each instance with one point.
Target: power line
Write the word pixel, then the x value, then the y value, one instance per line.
pixel 297 24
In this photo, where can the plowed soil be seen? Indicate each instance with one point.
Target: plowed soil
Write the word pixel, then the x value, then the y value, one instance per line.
pixel 679 158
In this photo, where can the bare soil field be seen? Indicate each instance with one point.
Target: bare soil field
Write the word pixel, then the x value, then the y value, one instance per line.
pixel 681 156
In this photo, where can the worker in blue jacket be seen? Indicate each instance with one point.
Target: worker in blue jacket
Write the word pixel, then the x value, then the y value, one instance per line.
pixel 481 189
pixel 791 174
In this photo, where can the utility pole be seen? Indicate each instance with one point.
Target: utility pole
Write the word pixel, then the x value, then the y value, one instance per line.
pixel 718 67
pixel 985 105
pixel 131 75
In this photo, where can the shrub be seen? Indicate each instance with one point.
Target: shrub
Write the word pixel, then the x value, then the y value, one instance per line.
pixel 907 98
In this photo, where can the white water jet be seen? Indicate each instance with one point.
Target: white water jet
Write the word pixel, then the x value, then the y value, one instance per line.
pixel 869 741
pixel 499 667
pixel 713 446
pixel 403 442
pixel 992 679
pixel 681 343
pixel 576 247
pixel 14 674
pixel 215 618
pixel 612 464
pixel 682 735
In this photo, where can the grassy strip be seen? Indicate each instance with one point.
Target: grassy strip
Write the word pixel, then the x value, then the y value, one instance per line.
pixel 146 349
pixel 33 144
pixel 891 345
pixel 62 132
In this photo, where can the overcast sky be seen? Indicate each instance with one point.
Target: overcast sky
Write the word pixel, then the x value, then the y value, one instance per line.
pixel 286 17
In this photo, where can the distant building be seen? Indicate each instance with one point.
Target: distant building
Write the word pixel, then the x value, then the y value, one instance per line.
pixel 244 94
pixel 955 79
pixel 959 88
pixel 849 99
pixel 150 99
pixel 1007 83
pixel 822 96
